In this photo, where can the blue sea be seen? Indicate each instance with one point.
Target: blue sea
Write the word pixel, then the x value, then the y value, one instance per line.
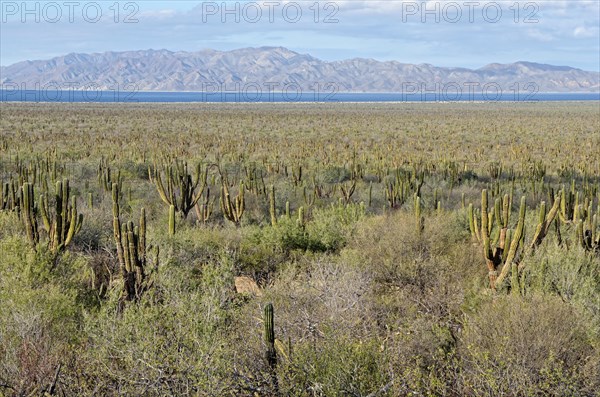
pixel 79 96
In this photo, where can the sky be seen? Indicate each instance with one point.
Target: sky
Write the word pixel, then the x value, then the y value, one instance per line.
pixel 469 33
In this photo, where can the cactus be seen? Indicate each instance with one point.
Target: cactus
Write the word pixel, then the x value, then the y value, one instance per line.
pixel 494 251
pixel 420 220
pixel 60 226
pixel 28 214
pixel 301 220
pixel 587 232
pixel 516 240
pixel 272 210
pixel 545 220
pixel 297 175
pixel 232 210
pixel 130 241
pixel 472 226
pixel 204 210
pixel 179 188
pixel 347 190
pixel 10 196
pixel 309 199
pixel 270 353
pixel 106 178
pixel 171 220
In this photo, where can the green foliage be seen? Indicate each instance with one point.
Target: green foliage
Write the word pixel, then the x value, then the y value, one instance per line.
pixel 354 222
pixel 512 352
pixel 571 275
pixel 330 228
pixel 333 174
pixel 336 367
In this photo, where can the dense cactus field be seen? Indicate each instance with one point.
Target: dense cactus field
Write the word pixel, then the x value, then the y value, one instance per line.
pixel 300 249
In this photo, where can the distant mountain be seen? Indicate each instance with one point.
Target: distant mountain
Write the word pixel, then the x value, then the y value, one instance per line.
pixel 274 68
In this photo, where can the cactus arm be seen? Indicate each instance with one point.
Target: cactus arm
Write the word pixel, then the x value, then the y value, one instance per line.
pixel 161 189
pixel 117 229
pixel 73 222
pixel 516 240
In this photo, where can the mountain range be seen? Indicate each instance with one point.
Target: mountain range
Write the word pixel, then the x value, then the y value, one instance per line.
pixel 277 69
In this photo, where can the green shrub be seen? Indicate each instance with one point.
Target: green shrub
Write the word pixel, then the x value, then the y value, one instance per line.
pixel 331 227
pixel 524 347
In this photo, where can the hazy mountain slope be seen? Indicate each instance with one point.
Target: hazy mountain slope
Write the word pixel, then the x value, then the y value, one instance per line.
pixel 271 68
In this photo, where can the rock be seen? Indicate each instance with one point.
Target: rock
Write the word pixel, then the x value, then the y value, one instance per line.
pixel 245 285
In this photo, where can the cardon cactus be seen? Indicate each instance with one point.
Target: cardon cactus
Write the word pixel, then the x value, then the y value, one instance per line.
pixel 204 210
pixel 60 225
pixel 497 258
pixel 270 353
pixel 178 187
pixel 130 241
pixel 232 209
pixel 272 209
pixel 171 220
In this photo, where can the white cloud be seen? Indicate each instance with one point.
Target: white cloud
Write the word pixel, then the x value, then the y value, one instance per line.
pixel 158 14
pixel 582 31
pixel 539 35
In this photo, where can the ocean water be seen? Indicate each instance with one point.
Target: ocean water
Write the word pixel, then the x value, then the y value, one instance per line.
pixel 91 96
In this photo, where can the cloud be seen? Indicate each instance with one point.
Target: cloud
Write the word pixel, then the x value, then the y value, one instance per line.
pixel 539 35
pixel 583 31
pixel 159 14
pixel 364 28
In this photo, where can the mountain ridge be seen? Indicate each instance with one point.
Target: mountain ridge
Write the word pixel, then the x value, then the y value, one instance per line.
pixel 278 67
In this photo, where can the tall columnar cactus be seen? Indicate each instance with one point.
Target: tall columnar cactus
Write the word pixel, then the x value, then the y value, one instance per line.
pixel 587 231
pixel 232 209
pixel 130 241
pixel 420 220
pixel 300 221
pixel 60 225
pixel 494 251
pixel 297 174
pixel 347 189
pixel 179 187
pixel 517 238
pixel 66 221
pixel 497 258
pixel 544 222
pixel 270 353
pixel 106 177
pixel 569 204
pixel 272 209
pixel 10 196
pixel 28 214
pixel 171 220
pixel 205 209
pixel 309 198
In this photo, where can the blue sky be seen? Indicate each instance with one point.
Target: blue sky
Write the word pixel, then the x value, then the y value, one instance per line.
pixel 469 33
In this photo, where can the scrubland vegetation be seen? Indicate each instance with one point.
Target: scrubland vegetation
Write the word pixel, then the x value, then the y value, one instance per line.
pixel 397 250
